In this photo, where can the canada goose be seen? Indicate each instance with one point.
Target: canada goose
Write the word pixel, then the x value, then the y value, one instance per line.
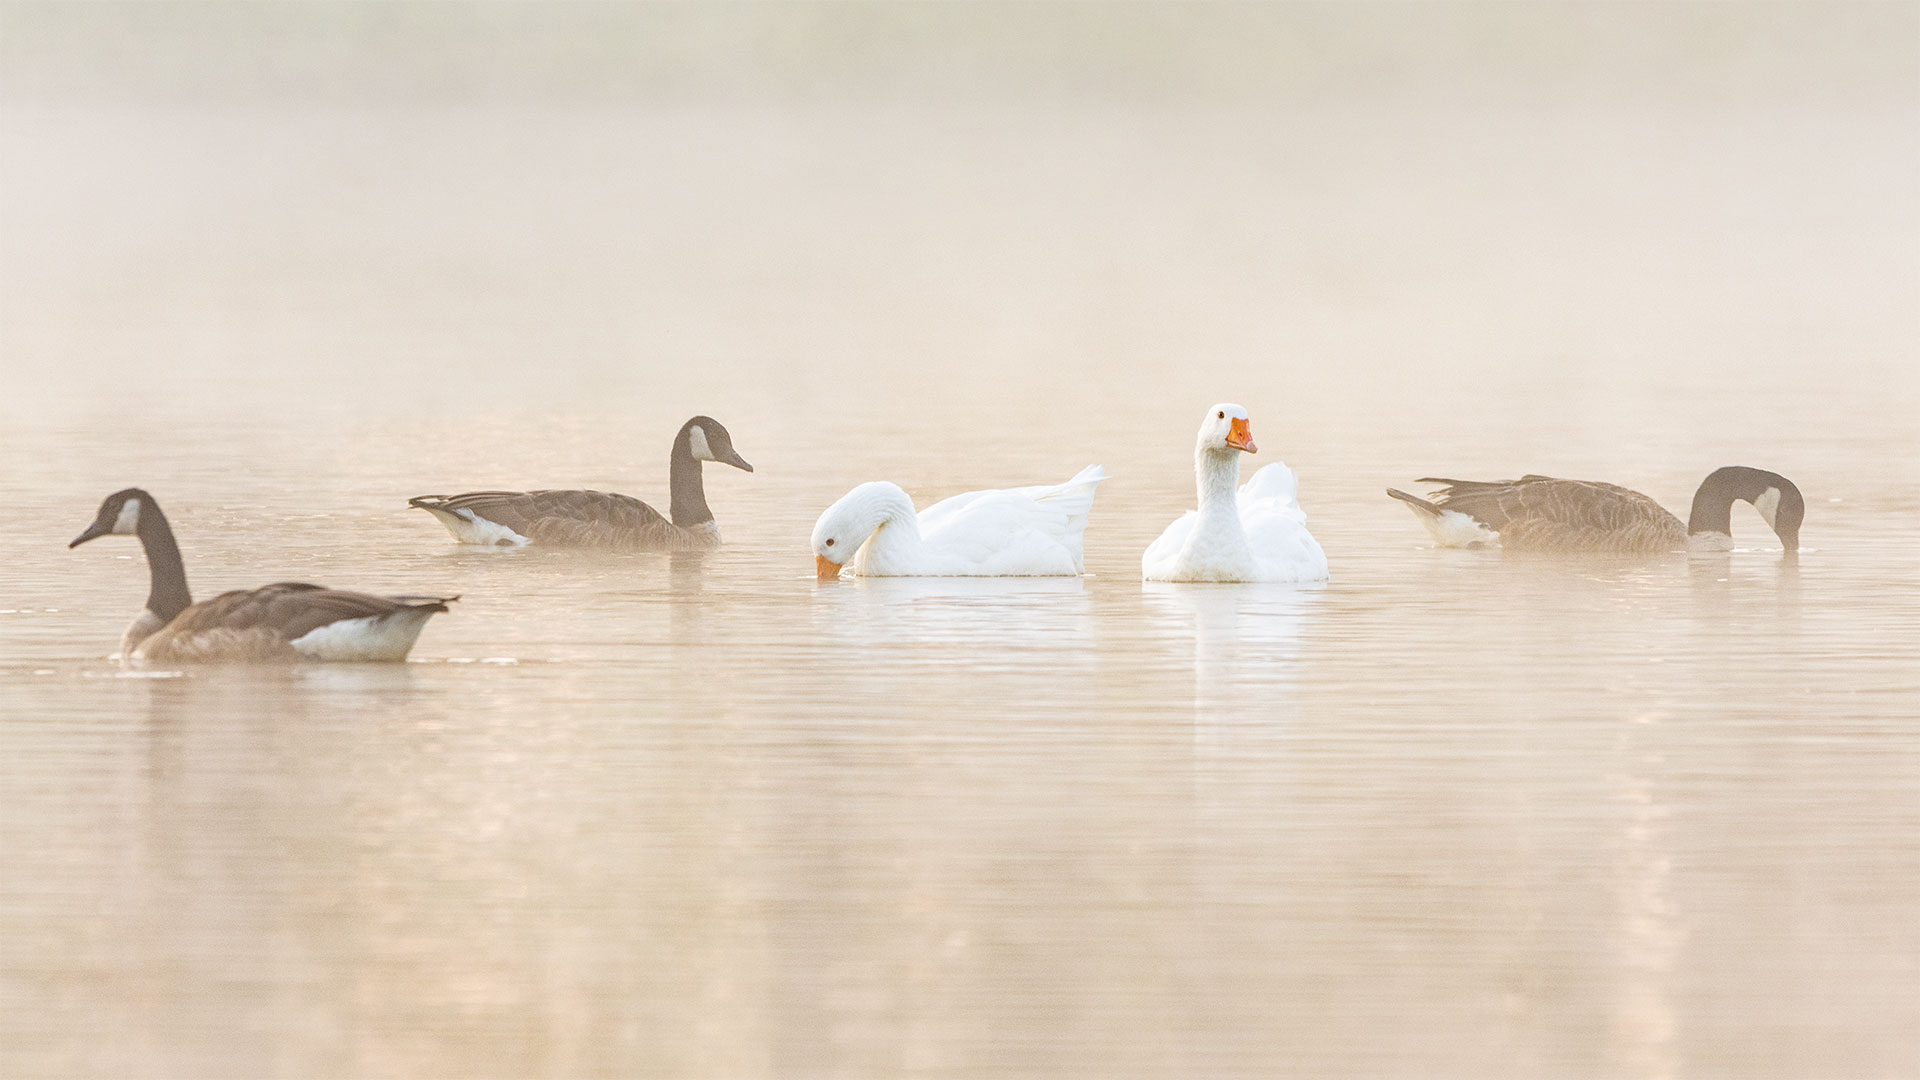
pixel 286 621
pixel 598 518
pixel 1540 513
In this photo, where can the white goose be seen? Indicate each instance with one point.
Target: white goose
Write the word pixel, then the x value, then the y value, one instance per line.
pixel 1256 534
pixel 1016 532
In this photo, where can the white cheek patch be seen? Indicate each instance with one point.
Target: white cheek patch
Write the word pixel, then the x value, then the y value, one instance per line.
pixel 1768 504
pixel 701 451
pixel 129 520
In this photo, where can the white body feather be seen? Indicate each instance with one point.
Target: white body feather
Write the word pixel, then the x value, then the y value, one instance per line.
pixel 469 528
pixel 1710 542
pixel 1453 529
pixel 376 637
pixel 1258 533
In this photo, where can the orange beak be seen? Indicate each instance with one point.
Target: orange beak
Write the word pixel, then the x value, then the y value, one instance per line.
pixel 1240 437
pixel 827 568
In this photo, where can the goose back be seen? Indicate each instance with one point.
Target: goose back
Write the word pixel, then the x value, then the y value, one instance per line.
pixel 292 621
pixel 577 518
pixel 1548 514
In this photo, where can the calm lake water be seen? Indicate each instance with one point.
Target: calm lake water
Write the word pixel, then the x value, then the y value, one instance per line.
pixel 1454 814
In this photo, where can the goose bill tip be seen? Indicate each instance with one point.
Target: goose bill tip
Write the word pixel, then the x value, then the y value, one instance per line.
pixel 826 568
pixel 1240 437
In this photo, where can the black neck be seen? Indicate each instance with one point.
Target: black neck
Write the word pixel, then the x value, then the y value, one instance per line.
pixel 168 595
pixel 1713 503
pixel 689 492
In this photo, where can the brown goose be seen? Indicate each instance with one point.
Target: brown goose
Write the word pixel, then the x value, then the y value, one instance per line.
pixel 598 518
pixel 286 621
pixel 1541 513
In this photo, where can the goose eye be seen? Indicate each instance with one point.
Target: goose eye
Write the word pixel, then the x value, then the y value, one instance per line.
pixel 829 542
pixel 1223 415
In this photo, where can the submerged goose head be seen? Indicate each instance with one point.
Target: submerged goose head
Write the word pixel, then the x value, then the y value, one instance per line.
pixel 707 440
pixel 1710 524
pixel 849 522
pixel 119 516
pixel 1225 430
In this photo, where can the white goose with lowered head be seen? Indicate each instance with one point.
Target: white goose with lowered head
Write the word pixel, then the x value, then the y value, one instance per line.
pixel 1255 533
pixel 1014 532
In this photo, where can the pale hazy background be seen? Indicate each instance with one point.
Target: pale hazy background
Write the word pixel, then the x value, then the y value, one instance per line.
pixel 527 204
pixel 1453 815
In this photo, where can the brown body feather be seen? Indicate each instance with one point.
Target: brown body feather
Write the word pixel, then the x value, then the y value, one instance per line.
pixel 1546 514
pixel 574 518
pixel 262 624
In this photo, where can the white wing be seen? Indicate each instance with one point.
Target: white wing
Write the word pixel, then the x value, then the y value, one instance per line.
pixel 1016 530
pixel 1277 527
pixel 1170 543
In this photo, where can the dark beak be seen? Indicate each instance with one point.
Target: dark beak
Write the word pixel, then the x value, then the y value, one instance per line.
pixel 735 460
pixel 94 531
pixel 1790 542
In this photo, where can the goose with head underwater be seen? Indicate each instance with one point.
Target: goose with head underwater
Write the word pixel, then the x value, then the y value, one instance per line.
pixel 1251 532
pixel 1012 532
pixel 1550 515
pixel 281 622
pixel 578 518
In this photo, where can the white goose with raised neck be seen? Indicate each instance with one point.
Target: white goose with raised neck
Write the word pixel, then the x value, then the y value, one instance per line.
pixel 1251 533
pixel 1218 543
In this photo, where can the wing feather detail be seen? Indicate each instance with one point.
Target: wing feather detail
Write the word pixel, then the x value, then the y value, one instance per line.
pixel 1548 514
pixel 262 624
pixel 571 518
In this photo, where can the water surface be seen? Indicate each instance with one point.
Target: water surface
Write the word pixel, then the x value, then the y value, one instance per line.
pixel 1454 814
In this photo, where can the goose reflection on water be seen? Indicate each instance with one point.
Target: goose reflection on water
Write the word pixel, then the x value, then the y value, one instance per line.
pixel 1244 645
pixel 1240 635
pixel 1016 616
pixel 1719 588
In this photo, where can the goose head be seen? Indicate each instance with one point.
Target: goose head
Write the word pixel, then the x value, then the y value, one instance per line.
pixel 707 440
pixel 847 524
pixel 119 516
pixel 1225 430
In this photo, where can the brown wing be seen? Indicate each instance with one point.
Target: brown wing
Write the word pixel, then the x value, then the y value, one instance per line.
pixel 582 518
pixel 1543 513
pixel 260 624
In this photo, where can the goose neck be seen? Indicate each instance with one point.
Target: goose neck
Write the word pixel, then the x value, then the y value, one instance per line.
pixel 167 593
pixel 687 483
pixel 1773 495
pixel 1218 477
pixel 895 524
